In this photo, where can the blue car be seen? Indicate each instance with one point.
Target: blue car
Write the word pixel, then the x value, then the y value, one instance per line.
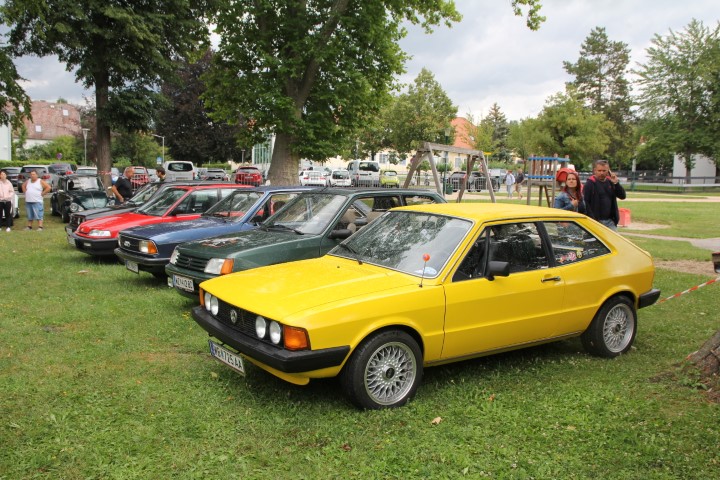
pixel 148 248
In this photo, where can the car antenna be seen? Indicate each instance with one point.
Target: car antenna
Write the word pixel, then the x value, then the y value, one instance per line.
pixel 426 257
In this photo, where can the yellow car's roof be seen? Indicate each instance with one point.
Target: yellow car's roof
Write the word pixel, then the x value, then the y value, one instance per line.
pixel 490 211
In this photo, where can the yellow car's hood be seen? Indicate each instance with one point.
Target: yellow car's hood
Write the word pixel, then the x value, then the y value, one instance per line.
pixel 279 291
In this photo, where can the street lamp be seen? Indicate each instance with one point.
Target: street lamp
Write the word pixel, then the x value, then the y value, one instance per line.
pixel 85 132
pixel 163 144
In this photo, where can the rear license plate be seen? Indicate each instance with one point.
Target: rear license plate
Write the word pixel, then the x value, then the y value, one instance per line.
pixel 132 266
pixel 183 283
pixel 227 357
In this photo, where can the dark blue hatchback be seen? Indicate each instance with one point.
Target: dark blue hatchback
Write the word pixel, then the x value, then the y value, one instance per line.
pixel 148 249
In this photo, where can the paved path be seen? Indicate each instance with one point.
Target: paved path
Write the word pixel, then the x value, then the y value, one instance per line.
pixel 712 244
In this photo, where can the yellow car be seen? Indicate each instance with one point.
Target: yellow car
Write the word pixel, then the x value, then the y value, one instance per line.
pixel 428 285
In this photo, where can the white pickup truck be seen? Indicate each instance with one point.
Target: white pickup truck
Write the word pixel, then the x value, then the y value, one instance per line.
pixel 364 173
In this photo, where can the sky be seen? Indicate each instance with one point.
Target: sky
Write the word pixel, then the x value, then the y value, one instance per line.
pixel 490 56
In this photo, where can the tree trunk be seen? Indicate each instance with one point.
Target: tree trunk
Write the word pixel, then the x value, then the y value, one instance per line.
pixel 707 359
pixel 284 164
pixel 102 135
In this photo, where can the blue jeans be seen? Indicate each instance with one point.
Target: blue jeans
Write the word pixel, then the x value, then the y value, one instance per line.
pixel 609 223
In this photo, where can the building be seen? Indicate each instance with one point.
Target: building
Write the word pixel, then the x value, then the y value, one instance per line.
pixel 50 121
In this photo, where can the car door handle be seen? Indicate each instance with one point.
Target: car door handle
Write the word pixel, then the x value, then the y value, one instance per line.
pixel 550 279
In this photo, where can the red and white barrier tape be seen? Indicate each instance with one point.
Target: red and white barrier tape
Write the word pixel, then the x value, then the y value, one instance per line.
pixel 696 287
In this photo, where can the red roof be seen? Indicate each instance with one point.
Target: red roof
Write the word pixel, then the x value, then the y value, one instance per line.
pixel 463 132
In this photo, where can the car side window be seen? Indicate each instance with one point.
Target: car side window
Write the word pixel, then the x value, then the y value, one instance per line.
pixel 419 199
pixel 519 244
pixel 571 243
pixel 473 265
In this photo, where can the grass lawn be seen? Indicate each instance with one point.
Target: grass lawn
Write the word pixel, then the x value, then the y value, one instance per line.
pixel 104 375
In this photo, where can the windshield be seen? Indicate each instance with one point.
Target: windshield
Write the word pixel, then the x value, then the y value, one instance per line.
pixel 85 183
pixel 159 205
pixel 399 240
pixel 144 193
pixel 307 214
pixel 234 206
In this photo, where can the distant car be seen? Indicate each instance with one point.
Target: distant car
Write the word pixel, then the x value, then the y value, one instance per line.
pixel 179 202
pixel 12 174
pixel 364 173
pixel 339 178
pixel 24 174
pixel 179 170
pixel 429 285
pixel 215 174
pixel 307 227
pixel 86 171
pixel 315 178
pixel 139 178
pixel 389 179
pixel 58 170
pixel 76 193
pixel 15 210
pixel 114 174
pixel 249 176
pixel 148 248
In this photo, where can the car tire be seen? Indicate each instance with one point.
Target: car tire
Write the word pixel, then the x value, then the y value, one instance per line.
pixel 384 371
pixel 65 215
pixel 612 331
pixel 53 208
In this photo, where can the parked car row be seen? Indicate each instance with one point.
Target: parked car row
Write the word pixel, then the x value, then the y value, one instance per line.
pixel 375 285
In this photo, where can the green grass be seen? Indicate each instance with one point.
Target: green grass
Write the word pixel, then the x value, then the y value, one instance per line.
pixel 104 375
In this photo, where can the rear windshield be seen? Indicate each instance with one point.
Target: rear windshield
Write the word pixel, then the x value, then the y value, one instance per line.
pixel 180 167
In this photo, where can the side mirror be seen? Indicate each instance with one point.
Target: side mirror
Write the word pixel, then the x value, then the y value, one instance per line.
pixel 341 233
pixel 498 269
pixel 257 219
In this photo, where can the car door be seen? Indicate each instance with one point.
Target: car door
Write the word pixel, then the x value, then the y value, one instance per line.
pixel 484 314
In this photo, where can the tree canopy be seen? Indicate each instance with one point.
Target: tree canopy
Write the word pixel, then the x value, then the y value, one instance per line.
pixel 680 92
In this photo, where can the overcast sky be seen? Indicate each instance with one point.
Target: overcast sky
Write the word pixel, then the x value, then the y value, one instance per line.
pixel 490 56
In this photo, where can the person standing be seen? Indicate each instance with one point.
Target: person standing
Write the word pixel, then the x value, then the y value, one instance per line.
pixel 7 200
pixel 601 193
pixel 34 189
pixel 509 182
pixel 160 172
pixel 519 179
pixel 571 195
pixel 123 187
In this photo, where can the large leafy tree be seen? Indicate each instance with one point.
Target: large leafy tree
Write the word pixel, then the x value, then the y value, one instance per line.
pixel 566 127
pixel 11 93
pixel 422 114
pixel 601 84
pixel 680 92
pixel 190 133
pixel 121 49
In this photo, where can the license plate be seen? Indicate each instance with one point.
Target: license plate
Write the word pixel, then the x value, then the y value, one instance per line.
pixel 227 357
pixel 132 266
pixel 68 230
pixel 183 283
pixel 71 240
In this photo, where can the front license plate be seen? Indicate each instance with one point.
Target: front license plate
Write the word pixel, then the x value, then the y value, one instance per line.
pixel 227 357
pixel 71 240
pixel 132 266
pixel 183 283
pixel 68 230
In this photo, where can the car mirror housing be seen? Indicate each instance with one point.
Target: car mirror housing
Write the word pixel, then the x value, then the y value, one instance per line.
pixel 498 269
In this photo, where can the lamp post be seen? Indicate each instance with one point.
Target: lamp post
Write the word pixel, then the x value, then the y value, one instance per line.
pixel 85 133
pixel 447 139
pixel 163 144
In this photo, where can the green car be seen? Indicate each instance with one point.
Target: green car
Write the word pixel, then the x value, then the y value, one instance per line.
pixel 389 179
pixel 308 226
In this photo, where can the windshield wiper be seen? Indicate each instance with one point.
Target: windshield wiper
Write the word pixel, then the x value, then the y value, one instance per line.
pixel 280 226
pixel 353 251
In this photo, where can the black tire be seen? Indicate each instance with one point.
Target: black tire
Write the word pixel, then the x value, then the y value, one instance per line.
pixel 53 208
pixel 65 215
pixel 384 371
pixel 612 331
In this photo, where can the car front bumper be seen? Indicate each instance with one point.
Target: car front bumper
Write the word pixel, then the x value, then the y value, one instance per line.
pixel 98 247
pixel 278 358
pixel 146 264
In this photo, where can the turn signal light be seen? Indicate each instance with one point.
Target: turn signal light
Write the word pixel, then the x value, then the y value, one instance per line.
pixel 295 338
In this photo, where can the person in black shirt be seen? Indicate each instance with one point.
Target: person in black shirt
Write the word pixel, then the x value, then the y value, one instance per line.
pixel 123 187
pixel 601 192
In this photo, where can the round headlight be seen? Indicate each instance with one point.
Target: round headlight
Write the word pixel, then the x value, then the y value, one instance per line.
pixel 275 332
pixel 260 327
pixel 74 207
pixel 214 306
pixel 174 256
pixel 208 297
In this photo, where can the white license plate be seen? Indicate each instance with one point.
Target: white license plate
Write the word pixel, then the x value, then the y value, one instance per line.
pixel 71 240
pixel 183 283
pixel 132 266
pixel 68 230
pixel 227 357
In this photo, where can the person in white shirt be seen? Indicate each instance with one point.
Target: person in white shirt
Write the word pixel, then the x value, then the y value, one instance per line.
pixel 509 182
pixel 34 190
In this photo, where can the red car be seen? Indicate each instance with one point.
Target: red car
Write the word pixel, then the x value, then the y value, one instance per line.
pixel 249 176
pixel 139 178
pixel 183 202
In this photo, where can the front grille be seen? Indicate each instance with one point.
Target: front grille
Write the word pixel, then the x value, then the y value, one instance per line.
pixel 129 243
pixel 245 320
pixel 76 220
pixel 190 263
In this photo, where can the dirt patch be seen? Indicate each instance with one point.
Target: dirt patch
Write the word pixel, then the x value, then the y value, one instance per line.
pixel 687 266
pixel 645 226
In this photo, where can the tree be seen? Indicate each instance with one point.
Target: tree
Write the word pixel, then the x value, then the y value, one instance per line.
pixel 313 72
pixel 190 132
pixel 11 93
pixel 680 95
pixel 496 123
pixel 601 84
pixel 566 127
pixel 134 148
pixel 525 137
pixel 122 49
pixel 423 114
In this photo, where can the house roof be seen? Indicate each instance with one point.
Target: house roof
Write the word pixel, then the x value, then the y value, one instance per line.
pixel 52 120
pixel 463 132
